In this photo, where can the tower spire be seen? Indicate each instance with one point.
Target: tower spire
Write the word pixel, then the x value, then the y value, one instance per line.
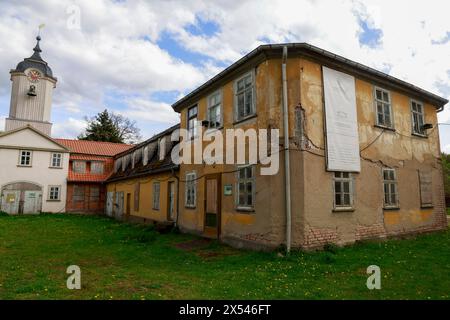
pixel 37 50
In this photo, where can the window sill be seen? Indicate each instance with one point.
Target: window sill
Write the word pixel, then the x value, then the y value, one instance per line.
pixel 423 136
pixel 427 206
pixel 209 131
pixel 52 200
pixel 385 128
pixel 391 208
pixel 55 167
pixel 245 209
pixel 24 166
pixel 190 207
pixel 245 119
pixel 344 209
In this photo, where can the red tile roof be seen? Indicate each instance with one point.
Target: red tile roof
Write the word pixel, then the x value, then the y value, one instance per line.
pixel 87 176
pixel 94 147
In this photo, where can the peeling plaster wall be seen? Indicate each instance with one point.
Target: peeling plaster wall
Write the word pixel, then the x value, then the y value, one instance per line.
pixel 398 149
pixel 313 221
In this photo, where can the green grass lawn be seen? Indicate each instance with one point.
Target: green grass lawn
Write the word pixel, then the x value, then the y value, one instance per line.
pixel 123 261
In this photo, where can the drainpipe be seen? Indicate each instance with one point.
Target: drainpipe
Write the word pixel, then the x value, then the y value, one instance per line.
pixel 287 170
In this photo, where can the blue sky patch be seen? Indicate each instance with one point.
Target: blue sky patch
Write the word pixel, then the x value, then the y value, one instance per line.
pixel 203 28
pixel 370 37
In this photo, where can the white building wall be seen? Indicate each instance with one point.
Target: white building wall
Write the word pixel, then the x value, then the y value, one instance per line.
pixel 39 172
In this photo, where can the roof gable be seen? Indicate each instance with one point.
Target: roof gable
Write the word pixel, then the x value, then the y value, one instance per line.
pixel 29 137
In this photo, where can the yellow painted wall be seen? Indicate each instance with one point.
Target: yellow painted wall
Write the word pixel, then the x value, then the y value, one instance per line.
pixel 312 192
pixel 145 209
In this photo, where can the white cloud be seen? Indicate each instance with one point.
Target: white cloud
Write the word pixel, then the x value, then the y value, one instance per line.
pixel 147 110
pixel 68 129
pixel 116 50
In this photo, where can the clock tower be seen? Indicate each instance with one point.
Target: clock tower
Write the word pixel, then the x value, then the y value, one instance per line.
pixel 31 94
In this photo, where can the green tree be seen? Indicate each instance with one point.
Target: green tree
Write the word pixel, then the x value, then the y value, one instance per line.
pixel 110 127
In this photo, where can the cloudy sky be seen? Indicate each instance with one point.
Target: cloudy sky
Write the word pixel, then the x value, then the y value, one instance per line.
pixel 138 57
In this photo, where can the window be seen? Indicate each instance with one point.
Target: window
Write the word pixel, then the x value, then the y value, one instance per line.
pixel 383 106
pixel 246 187
pixel 56 161
pixel 214 110
pixel 78 193
pixel 54 193
pixel 390 188
pixel 79 166
pixel 191 192
pixel 343 190
pixel 417 118
pixel 426 191
pixel 244 97
pixel 97 167
pixel 156 193
pixel 25 158
pixel 192 121
pixel 94 193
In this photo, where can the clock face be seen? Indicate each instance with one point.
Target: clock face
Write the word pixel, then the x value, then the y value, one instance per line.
pixel 33 76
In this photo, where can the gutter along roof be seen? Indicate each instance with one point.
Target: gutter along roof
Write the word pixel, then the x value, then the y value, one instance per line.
pixel 327 58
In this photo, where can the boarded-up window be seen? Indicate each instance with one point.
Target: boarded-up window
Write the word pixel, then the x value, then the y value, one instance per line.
pixel 137 190
pixel 78 193
pixel 94 193
pixel 426 192
pixel 156 192
pixel 79 166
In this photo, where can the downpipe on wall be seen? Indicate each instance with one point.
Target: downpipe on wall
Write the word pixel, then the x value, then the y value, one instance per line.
pixel 287 170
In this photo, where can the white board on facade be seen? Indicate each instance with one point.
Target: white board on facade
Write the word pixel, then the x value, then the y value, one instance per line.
pixel 341 121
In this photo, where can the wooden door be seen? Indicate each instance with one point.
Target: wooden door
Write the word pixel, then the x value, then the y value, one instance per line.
pixel 128 204
pixel 32 202
pixel 109 203
pixel 212 218
pixel 119 205
pixel 171 201
pixel 10 201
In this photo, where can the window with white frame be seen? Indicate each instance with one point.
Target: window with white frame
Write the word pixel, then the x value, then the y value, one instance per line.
pixel 156 195
pixel 343 190
pixel 390 188
pixel 97 167
pixel 25 158
pixel 244 96
pixel 191 189
pixel 246 187
pixel 79 166
pixel 214 110
pixel 54 193
pixel 56 160
pixel 383 108
pixel 192 121
pixel 417 115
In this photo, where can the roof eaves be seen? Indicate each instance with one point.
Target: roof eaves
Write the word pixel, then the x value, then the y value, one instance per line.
pixel 301 47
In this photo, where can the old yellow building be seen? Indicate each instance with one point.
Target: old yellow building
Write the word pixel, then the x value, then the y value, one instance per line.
pixel 144 185
pixel 397 185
